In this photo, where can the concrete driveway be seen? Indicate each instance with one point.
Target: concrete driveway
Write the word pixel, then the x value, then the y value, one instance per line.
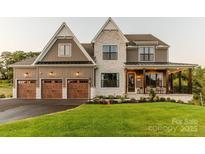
pixel 16 109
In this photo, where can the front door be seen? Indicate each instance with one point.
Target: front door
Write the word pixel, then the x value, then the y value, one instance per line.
pixel 131 82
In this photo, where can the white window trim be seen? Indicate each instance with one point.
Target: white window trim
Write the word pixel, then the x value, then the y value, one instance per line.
pixel 146 47
pixel 70 48
pixel 110 44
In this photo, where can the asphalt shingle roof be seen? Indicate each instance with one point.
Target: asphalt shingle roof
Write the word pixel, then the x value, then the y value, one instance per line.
pixel 144 37
pixel 27 61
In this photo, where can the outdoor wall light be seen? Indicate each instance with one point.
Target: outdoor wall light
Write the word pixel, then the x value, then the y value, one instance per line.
pixel 26 74
pixel 77 74
pixel 51 74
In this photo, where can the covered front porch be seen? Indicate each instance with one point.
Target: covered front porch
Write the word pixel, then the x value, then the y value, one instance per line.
pixel 142 78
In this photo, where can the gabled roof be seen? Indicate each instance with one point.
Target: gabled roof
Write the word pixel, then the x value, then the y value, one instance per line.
pixel 63 31
pixel 144 37
pixel 110 25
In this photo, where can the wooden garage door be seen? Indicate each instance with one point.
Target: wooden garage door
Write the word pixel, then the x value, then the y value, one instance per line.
pixel 51 89
pixel 78 89
pixel 26 89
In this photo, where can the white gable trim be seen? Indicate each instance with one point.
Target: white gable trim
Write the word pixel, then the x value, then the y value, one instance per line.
pixel 63 31
pixel 105 24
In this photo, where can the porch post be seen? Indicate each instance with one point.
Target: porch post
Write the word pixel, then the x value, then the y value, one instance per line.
pixel 125 81
pixel 171 83
pixel 180 81
pixel 167 82
pixel 190 81
pixel 144 71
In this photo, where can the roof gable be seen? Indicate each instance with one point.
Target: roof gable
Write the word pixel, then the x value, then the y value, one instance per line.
pixel 63 31
pixel 110 25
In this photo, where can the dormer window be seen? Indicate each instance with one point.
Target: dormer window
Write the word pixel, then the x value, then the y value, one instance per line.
pixel 110 52
pixel 146 54
pixel 64 50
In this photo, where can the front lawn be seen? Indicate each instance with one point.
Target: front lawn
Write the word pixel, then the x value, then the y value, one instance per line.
pixel 147 119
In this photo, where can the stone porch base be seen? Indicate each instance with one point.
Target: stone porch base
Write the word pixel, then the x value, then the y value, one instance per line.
pixel 183 97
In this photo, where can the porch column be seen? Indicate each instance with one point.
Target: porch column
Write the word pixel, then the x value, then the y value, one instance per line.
pixel 171 83
pixel 180 81
pixel 167 82
pixel 144 72
pixel 190 81
pixel 125 81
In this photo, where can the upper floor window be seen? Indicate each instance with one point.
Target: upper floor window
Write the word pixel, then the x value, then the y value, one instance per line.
pixel 110 52
pixel 146 53
pixel 64 50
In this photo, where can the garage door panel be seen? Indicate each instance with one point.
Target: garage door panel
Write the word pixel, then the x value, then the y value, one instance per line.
pixel 26 89
pixel 78 89
pixel 52 89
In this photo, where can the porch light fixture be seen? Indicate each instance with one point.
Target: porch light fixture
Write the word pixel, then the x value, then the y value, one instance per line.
pixel 26 74
pixel 51 74
pixel 77 74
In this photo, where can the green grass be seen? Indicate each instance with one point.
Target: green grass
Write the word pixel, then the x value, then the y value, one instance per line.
pixel 5 88
pixel 171 119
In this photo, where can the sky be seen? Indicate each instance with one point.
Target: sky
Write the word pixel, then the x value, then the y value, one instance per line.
pixel 186 36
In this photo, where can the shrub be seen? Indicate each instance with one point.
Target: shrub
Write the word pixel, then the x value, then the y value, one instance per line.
pixel 125 96
pixel 196 102
pixel 2 96
pixel 103 101
pixel 133 100
pixel 100 97
pixel 168 99
pixel 156 99
pixel 110 97
pixel 180 101
pixel 122 99
pixel 173 100
pixel 118 97
pixel 162 99
pixel 152 95
pixel 142 99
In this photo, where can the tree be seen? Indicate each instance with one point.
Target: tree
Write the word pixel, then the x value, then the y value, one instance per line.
pixel 199 82
pixel 8 58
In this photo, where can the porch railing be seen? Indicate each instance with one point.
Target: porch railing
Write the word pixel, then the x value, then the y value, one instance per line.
pixel 182 90
pixel 162 90
pixel 157 90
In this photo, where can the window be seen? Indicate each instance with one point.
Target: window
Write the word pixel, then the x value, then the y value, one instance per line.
pixel 64 50
pixel 109 52
pixel 154 80
pixel 109 79
pixel 146 53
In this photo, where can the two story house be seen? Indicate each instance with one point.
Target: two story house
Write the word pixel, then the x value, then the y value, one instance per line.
pixel 112 64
